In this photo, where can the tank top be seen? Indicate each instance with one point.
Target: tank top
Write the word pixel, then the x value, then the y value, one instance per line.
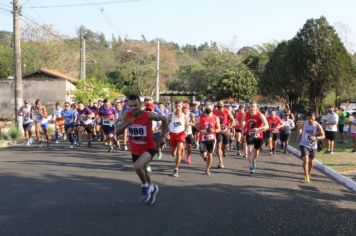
pixel 207 123
pixel 254 121
pixel 223 117
pixel 26 113
pixel 239 117
pixel 177 125
pixel 38 117
pixel 140 133
pixel 309 130
pixel 190 118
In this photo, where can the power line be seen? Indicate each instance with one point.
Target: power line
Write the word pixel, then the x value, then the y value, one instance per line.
pixel 84 4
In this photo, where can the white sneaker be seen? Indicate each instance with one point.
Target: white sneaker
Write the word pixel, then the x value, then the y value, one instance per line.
pixel 30 140
pixel 57 141
pixel 28 144
pixel 125 148
pixel 70 146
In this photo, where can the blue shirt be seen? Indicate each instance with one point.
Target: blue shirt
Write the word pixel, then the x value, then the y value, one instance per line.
pixel 68 116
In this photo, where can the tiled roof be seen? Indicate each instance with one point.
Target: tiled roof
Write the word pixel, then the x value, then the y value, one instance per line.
pixel 51 72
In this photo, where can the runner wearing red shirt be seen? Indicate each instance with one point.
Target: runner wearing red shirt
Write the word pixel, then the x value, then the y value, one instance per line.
pixel 255 123
pixel 274 123
pixel 240 137
pixel 226 120
pixel 143 147
pixel 209 126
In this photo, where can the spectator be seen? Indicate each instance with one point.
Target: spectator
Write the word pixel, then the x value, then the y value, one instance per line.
pixel 331 129
pixel 342 117
pixel 353 130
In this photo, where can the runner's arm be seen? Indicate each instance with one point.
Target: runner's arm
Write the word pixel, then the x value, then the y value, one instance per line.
pixel 163 119
pixel 299 132
pixel 264 122
pixel 218 127
pixel 321 135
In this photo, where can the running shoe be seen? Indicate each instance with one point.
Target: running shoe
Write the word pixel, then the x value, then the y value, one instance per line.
pixel 175 172
pixel 187 160
pixel 30 141
pixel 71 146
pixel 145 194
pixel 274 152
pixel 154 192
pixel 207 172
pixel 252 170
pixel 57 141
pixel 159 155
pixel 254 165
pixel 89 144
pixel 271 153
pixel 40 144
pixel 111 149
pixel 125 148
pixel 238 153
pixel 307 179
pixel 148 168
pixel 221 165
pixel 224 152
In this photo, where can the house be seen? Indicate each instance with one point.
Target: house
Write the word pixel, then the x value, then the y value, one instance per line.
pixel 48 85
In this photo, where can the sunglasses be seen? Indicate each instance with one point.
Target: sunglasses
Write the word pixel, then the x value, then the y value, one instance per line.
pixel 133 105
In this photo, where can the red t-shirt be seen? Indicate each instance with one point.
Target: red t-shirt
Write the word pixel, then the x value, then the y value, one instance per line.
pixel 140 133
pixel 239 117
pixel 254 121
pixel 207 122
pixel 223 116
pixel 273 122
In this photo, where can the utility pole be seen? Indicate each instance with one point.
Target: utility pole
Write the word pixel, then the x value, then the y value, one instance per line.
pixel 17 60
pixel 157 73
pixel 82 73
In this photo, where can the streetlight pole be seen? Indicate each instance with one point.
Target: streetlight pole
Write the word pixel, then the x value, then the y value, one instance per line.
pixel 157 73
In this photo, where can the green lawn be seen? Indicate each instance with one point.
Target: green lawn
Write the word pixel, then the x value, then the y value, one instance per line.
pixel 343 160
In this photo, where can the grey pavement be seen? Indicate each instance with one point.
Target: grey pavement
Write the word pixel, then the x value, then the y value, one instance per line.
pixel 85 191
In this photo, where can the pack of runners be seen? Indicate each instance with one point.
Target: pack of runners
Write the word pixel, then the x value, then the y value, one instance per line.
pixel 145 129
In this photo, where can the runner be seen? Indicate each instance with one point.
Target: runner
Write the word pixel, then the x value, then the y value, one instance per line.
pixel 108 117
pixel 254 123
pixel 353 130
pixel 93 106
pixel 189 140
pixel 285 130
pixel 39 112
pixel 143 147
pixel 208 126
pixel 197 113
pixel 331 129
pixel 120 114
pixel 85 118
pixel 239 136
pixel 25 112
pixel 69 116
pixel 226 122
pixel 157 132
pixel 58 121
pixel 309 133
pixel 178 128
pixel 274 123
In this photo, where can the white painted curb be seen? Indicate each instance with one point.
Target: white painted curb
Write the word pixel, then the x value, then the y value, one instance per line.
pixel 329 171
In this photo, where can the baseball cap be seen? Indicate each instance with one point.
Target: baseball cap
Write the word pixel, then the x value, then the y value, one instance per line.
pixel 150 106
pixel 26 101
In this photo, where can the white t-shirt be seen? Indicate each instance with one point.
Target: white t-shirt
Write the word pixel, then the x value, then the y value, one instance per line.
pixel 353 127
pixel 332 117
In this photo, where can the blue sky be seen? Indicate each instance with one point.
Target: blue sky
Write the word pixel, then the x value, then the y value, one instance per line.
pixel 232 24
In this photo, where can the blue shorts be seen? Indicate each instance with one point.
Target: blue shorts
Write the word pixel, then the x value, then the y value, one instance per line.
pixel 43 126
pixel 68 126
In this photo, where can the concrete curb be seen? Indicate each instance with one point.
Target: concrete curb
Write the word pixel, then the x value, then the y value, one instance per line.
pixel 349 183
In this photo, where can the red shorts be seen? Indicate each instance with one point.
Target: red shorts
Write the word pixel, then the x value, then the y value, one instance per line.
pixel 176 138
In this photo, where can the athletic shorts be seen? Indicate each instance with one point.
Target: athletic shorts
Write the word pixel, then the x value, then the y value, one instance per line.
pixel 330 135
pixel 269 134
pixel 27 126
pixel 189 139
pixel 108 129
pixel 307 152
pixel 68 126
pixel 220 137
pixel 194 130
pixel 176 138
pixel 284 137
pixel 341 128
pixel 88 128
pixel 238 130
pixel 207 146
pixel 43 126
pixel 153 152
pixel 257 143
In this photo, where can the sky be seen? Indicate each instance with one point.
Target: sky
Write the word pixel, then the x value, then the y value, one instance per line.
pixel 231 23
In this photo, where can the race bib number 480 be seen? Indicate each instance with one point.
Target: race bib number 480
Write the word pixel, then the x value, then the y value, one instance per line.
pixel 137 131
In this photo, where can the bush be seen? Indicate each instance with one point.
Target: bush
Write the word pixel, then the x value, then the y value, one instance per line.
pixel 5 137
pixel 14 133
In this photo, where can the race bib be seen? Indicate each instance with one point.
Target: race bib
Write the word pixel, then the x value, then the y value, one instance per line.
pixel 108 122
pixel 208 137
pixel 256 135
pixel 137 131
pixel 86 121
pixel 27 120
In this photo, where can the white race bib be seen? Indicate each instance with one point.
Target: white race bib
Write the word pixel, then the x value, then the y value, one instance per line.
pixel 208 137
pixel 108 122
pixel 87 121
pixel 137 131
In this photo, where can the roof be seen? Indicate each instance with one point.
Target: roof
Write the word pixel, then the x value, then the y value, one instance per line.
pixel 178 93
pixel 51 72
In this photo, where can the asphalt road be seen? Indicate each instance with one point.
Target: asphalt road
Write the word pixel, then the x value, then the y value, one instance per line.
pixel 84 191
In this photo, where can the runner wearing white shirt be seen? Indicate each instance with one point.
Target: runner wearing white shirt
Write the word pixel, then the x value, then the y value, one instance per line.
pixel 331 122
pixel 25 112
pixel 285 130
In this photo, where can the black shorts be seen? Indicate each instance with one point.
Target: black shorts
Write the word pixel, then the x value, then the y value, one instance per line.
pixel 330 135
pixel 207 146
pixel 88 128
pixel 307 152
pixel 284 137
pixel 27 126
pixel 222 138
pixel 257 143
pixel 269 134
pixel 194 130
pixel 153 152
pixel 238 130
pixel 341 128
pixel 108 129
pixel 189 139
